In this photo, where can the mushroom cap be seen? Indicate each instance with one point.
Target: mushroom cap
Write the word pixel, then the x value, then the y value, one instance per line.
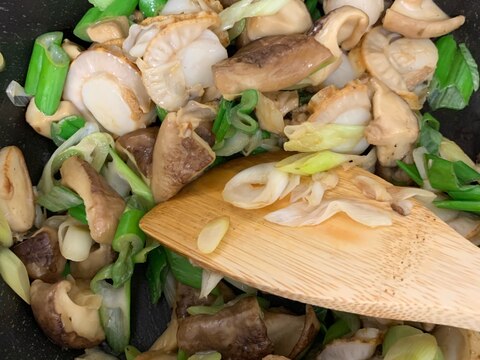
pixel 406 66
pixel 293 18
pixel 102 203
pixel 41 255
pixel 17 201
pixel 373 8
pixel 270 64
pixel 137 146
pixel 420 19
pixel 67 313
pixel 180 155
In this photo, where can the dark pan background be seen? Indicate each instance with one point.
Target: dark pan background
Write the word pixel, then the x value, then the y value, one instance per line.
pixel 23 20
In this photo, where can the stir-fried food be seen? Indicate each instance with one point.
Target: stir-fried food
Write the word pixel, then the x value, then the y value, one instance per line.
pixel 165 90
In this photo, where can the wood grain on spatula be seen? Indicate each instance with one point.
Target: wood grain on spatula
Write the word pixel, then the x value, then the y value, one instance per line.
pixel 418 269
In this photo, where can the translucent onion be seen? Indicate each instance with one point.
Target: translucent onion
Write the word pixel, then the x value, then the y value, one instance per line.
pixel 396 333
pixel 404 193
pixel 14 273
pixel 210 280
pixel 17 95
pixel 293 182
pixel 256 187
pixel 170 290
pixel 233 145
pixel 312 192
pixel 419 347
pixel 255 142
pixel 450 151
pixel 74 240
pixel 110 173
pixel 245 288
pixel 302 214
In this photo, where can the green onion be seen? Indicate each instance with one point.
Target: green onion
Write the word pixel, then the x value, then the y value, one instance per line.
pixel 412 171
pixel 94 15
pixel 456 76
pixel 211 355
pixel 150 245
pixel 311 163
pixel 419 347
pixel 6 239
pixel 131 352
pixel 430 136
pixel 129 239
pixel 345 324
pixel 65 128
pixel 204 310
pixel 182 355
pixel 79 213
pixel 42 43
pixel 447 176
pixel 183 270
pixel 471 206
pixel 237 29
pixel 396 333
pixel 14 273
pixel 150 8
pixel 157 269
pixel 138 186
pixel 101 4
pixel 313 9
pixel 52 79
pixel 115 309
pixel 468 193
pixel 59 198
pixel 222 121
pixel 161 113
pixel 240 115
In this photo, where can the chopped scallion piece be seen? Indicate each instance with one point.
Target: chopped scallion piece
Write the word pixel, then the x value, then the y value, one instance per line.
pixel 150 8
pixel 313 9
pixel 471 206
pixel 14 273
pixel 65 128
pixel 430 137
pixel 79 213
pixel 456 76
pixel 412 171
pixel 157 270
pixel 161 113
pixel 101 4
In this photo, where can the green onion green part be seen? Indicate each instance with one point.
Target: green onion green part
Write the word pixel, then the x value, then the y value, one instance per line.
pixel 412 171
pixel 430 136
pixel 313 7
pixel 101 4
pixel 183 270
pixel 115 309
pixel 131 352
pixel 65 128
pixel 161 113
pixel 95 15
pixel 157 269
pixel 42 43
pixel 150 8
pixel 14 273
pixel 79 213
pixel 129 239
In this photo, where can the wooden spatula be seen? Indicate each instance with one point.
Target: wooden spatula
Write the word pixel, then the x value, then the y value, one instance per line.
pixel 418 269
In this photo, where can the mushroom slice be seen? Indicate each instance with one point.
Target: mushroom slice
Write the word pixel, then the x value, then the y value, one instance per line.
pixel 457 344
pixel 100 256
pixel 108 62
pixel 293 18
pixel 341 29
pixel 394 128
pixel 41 255
pixel 270 64
pixel 177 62
pixel 114 106
pixel 373 8
pixel 16 193
pixel 110 29
pixel 291 334
pixel 103 205
pixel 67 314
pixel 137 146
pixel 361 346
pixel 42 123
pixel 236 331
pixel 420 19
pixel 180 154
pixel 406 66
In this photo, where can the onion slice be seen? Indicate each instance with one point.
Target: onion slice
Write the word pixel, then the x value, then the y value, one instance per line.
pixel 210 280
pixel 256 187
pixel 301 214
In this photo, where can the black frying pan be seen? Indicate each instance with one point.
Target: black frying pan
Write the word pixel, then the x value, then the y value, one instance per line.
pixel 23 20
